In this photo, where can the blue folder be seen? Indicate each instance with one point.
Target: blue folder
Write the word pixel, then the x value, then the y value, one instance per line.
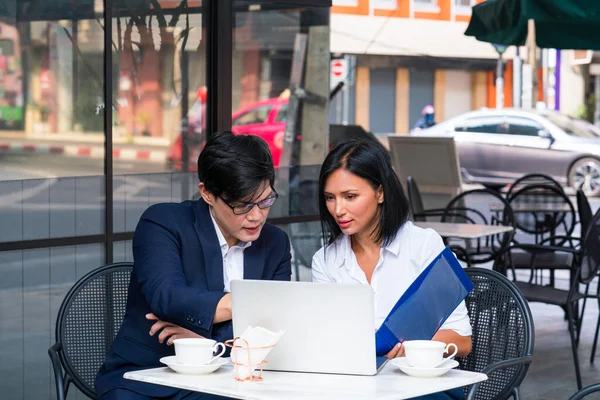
pixel 426 304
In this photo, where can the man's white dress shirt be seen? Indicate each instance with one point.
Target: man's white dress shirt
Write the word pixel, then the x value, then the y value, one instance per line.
pixel 233 258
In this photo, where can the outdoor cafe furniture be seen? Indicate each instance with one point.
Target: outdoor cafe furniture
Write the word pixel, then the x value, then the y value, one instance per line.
pixel 471 207
pixel 88 321
pixel 390 382
pixel 464 231
pixel 584 269
pixel 544 214
pixel 92 311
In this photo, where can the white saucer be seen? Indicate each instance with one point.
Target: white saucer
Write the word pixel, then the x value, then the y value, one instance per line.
pixel 187 369
pixel 440 370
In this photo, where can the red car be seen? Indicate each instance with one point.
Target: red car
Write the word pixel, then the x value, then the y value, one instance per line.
pixel 265 119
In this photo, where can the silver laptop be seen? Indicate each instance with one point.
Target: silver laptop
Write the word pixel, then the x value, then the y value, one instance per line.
pixel 330 328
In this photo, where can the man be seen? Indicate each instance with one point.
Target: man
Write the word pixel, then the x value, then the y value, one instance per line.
pixel 428 118
pixel 186 255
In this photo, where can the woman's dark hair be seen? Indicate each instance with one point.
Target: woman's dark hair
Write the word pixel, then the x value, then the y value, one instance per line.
pixel 235 166
pixel 369 160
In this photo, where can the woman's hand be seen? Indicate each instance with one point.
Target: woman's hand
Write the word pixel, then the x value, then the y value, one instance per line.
pixel 169 331
pixel 397 351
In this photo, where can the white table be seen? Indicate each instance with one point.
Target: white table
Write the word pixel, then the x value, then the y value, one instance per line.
pixel 524 207
pixel 390 383
pixel 464 231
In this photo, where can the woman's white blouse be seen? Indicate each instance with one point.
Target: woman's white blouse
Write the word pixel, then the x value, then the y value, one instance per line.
pixel 399 264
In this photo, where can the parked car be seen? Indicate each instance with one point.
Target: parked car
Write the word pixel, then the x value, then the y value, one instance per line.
pixel 264 118
pixel 496 147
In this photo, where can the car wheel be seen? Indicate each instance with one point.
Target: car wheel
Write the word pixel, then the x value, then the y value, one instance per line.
pixel 585 174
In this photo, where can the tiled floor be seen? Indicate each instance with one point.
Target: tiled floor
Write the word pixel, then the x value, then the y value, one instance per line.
pixel 552 373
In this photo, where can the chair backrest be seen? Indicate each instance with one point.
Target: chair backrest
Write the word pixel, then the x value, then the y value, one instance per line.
pixel 590 251
pixel 439 177
pixel 414 198
pixel 88 320
pixel 533 179
pixel 543 210
pixel 485 207
pixel 584 210
pixel 502 329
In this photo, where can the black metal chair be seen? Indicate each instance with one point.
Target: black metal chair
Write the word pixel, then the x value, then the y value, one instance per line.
pixel 544 215
pixel 533 179
pixel 541 211
pixel 584 210
pixel 503 336
pixel 584 270
pixel 586 391
pixel 472 207
pixel 88 321
pixel 415 200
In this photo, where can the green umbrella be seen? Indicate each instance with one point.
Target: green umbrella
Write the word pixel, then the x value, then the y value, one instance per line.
pixel 559 24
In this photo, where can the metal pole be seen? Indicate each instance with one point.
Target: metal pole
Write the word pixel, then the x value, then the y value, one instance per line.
pixel 517 80
pixel 544 61
pixel 338 109
pixel 346 90
pixel 219 59
pixel 597 92
pixel 499 83
pixel 185 125
pixel 108 130
pixel 532 49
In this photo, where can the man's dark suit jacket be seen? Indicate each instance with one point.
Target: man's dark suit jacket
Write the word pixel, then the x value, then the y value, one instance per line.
pixel 178 276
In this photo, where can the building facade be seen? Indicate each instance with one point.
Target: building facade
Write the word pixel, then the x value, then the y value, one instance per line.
pixel 94 95
pixel 410 53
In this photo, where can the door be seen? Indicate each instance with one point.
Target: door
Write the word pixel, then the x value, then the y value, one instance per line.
pixel 528 151
pixel 478 143
pixel 259 121
pixel 382 100
pixel 420 93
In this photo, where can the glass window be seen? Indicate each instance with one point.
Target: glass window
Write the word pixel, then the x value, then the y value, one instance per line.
pixel 463 3
pixel 282 114
pixel 429 3
pixel 385 4
pixel 483 125
pixel 51 91
pixel 574 126
pixel 259 115
pixel 160 104
pixel 523 126
pixel 277 48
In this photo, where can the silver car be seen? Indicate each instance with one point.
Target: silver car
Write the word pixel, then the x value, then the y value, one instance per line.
pixel 498 146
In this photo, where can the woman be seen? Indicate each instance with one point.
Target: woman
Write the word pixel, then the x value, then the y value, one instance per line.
pixel 371 242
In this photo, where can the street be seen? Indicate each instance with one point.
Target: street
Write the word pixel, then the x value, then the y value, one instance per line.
pixel 33 166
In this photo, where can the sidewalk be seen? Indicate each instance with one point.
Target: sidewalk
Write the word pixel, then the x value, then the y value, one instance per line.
pixel 84 145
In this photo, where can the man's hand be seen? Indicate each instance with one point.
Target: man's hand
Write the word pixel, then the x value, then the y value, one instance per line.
pixel 169 331
pixel 223 311
pixel 397 351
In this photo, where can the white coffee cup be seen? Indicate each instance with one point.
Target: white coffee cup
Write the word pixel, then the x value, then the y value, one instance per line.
pixel 426 353
pixel 197 351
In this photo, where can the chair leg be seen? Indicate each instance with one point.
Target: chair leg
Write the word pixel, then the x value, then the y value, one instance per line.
pixel 517 393
pixel 572 329
pixel 62 381
pixel 580 314
pixel 595 336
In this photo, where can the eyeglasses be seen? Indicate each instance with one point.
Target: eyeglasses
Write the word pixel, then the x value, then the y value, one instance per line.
pixel 246 207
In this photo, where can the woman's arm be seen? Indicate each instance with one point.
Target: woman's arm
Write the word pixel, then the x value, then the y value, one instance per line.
pixel 463 343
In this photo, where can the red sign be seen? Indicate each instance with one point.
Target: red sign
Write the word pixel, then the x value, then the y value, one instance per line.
pixel 338 68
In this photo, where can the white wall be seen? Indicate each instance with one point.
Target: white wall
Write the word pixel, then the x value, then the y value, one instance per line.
pixel 354 34
pixel 572 84
pixel 458 93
